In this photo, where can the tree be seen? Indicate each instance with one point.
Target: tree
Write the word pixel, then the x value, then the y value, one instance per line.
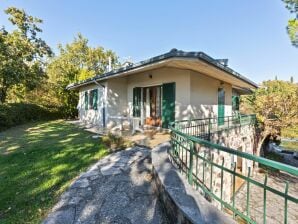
pixel 276 105
pixel 76 62
pixel 22 53
pixel 292 28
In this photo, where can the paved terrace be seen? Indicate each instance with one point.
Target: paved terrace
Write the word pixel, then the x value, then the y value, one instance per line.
pixel 117 189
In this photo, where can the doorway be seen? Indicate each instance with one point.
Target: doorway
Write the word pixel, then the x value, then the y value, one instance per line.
pixel 155 105
pixel 152 105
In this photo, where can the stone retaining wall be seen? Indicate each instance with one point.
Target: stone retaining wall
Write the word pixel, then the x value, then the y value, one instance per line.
pixel 239 138
pixel 182 203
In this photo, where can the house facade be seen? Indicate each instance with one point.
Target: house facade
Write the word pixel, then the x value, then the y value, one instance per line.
pixel 177 85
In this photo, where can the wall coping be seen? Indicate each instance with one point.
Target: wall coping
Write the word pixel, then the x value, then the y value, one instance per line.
pixel 182 203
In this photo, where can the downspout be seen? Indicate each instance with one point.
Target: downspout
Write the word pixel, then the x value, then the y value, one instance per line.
pixel 104 103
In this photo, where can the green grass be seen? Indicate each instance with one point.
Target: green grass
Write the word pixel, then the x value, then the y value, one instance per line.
pixel 290 132
pixel 290 145
pixel 38 161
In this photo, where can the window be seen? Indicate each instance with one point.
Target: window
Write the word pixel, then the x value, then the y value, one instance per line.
pixel 93 99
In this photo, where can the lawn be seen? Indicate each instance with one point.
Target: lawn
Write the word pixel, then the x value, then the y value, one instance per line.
pixel 290 145
pixel 38 161
pixel 290 132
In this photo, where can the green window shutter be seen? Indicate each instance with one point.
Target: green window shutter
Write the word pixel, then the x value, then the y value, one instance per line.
pixel 221 106
pixel 95 98
pixel 137 102
pixel 86 100
pixel 91 99
pixel 235 103
pixel 168 103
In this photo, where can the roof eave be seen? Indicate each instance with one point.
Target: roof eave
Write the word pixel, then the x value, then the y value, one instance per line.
pixel 168 56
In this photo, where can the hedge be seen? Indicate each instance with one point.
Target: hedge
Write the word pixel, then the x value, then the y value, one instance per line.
pixel 19 113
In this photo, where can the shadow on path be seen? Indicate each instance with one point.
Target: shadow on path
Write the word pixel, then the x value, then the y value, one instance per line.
pixel 117 189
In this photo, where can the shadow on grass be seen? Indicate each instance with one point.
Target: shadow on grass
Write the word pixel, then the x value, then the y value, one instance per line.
pixel 37 162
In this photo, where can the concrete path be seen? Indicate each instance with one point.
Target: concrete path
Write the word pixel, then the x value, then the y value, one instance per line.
pixel 117 189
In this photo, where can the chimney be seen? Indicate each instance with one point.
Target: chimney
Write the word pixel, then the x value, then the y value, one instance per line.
pixel 224 62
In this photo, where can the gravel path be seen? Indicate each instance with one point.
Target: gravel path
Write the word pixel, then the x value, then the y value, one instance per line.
pixel 117 189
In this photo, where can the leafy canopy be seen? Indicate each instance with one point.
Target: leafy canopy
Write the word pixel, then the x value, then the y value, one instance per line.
pixel 77 61
pixel 276 105
pixel 292 28
pixel 22 53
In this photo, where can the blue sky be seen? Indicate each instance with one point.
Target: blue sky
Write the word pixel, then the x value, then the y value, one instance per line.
pixel 251 34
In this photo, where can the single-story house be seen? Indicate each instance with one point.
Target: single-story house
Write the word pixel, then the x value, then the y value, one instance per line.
pixel 176 85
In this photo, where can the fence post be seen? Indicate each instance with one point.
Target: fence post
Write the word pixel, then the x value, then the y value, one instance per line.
pixel 209 127
pixel 211 172
pixel 191 152
pixel 265 200
pixel 247 194
pixel 286 203
pixel 233 195
pixel 221 181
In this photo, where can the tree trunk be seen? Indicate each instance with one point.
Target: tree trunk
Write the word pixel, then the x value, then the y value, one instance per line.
pixel 261 139
pixel 3 94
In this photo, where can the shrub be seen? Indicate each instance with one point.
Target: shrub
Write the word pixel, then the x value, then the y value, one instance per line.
pixel 115 142
pixel 19 113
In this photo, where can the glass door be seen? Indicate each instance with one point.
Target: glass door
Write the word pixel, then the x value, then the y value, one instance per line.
pixel 152 105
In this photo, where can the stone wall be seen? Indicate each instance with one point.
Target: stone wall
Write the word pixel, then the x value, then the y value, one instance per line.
pixel 239 138
pixel 182 203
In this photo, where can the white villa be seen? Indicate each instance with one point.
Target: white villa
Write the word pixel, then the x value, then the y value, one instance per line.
pixel 176 85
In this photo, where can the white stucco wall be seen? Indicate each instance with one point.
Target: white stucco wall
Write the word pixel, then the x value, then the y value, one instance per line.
pixel 204 96
pixel 160 76
pixel 116 104
pixel 196 95
pixel 91 116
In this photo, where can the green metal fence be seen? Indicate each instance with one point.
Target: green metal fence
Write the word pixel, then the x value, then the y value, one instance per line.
pixel 202 128
pixel 212 169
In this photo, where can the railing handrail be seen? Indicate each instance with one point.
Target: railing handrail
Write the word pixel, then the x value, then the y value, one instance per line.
pixel 258 159
pixel 189 140
pixel 214 118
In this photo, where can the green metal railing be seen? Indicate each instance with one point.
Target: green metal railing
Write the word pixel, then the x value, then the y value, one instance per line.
pixel 212 169
pixel 203 127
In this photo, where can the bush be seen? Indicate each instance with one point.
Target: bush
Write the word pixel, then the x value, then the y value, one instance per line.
pixel 19 113
pixel 115 142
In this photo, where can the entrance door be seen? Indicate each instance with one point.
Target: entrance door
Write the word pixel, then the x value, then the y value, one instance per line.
pixel 168 103
pixel 152 105
pixel 221 106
